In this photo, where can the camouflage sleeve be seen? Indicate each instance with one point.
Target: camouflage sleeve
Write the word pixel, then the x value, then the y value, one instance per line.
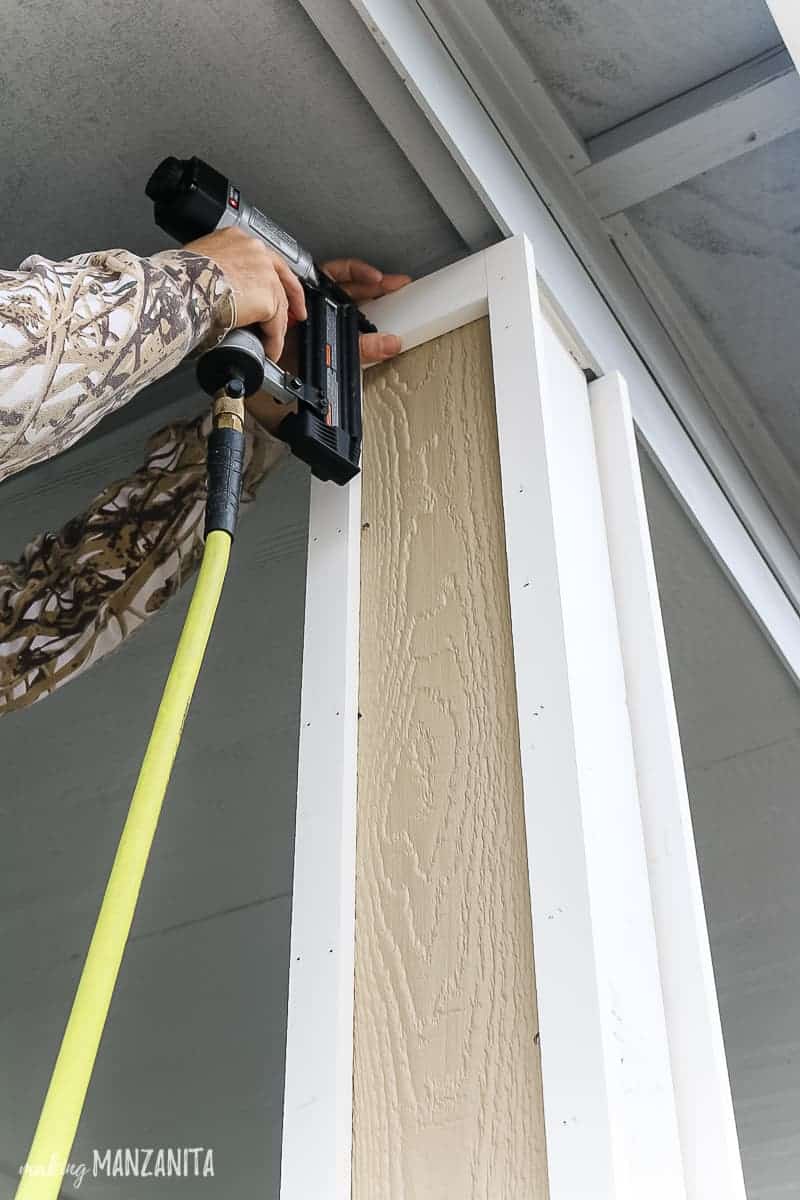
pixel 74 596
pixel 79 338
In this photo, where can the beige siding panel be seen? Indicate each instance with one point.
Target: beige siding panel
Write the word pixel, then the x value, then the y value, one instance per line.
pixel 447 1083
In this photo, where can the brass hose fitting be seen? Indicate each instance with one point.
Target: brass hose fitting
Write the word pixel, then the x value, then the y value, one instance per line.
pixel 228 410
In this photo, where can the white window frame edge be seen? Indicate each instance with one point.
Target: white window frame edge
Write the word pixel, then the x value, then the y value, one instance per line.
pixel 428 71
pixel 318 1096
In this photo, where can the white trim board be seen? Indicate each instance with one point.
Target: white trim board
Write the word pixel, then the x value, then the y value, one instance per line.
pixel 702 1089
pixel 711 125
pixel 452 108
pixel 317 1112
pixel 608 1097
pixel 447 299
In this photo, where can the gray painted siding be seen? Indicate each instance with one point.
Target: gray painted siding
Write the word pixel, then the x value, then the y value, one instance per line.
pixel 739 715
pixel 194 1049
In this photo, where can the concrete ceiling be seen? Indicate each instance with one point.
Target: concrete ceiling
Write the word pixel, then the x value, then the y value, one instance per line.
pixel 732 239
pixel 94 95
pixel 607 62
pixel 739 715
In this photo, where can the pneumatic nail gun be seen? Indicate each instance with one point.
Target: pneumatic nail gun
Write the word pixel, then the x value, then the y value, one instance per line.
pixel 191 199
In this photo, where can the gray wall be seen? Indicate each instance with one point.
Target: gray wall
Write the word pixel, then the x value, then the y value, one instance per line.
pixel 194 1051
pixel 739 715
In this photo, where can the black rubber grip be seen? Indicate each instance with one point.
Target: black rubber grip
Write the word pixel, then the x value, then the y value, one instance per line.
pixel 225 471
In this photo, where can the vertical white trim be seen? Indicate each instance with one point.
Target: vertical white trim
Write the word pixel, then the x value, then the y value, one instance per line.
pixel 437 304
pixel 608 1096
pixel 705 1109
pixel 317 1118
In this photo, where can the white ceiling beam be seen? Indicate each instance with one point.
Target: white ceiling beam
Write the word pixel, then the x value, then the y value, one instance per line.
pixel 704 128
pixel 786 15
pixel 344 32
pixel 470 28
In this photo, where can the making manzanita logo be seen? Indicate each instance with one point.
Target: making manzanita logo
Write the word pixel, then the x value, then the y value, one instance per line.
pixel 132 1162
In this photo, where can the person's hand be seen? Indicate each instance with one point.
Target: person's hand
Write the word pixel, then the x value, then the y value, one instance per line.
pixel 364 282
pixel 266 290
pixel 361 282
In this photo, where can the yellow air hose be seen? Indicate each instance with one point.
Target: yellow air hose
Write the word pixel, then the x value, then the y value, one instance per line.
pixel 48 1157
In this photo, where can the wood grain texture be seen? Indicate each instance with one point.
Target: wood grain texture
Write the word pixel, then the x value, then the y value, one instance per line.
pixel 447 1084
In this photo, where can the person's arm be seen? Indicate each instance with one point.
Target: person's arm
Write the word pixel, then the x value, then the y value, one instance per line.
pixel 79 338
pixel 76 595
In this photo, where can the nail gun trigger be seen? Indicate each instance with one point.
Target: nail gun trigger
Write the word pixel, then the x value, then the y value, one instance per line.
pixel 282 386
